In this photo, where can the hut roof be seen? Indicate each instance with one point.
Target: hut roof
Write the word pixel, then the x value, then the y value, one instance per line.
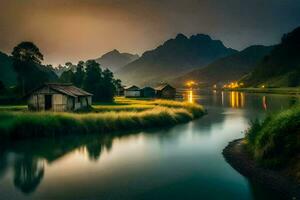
pixel 148 88
pixel 163 86
pixel 132 87
pixel 67 89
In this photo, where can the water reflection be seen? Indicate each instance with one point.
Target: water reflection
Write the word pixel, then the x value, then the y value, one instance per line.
pixel 28 159
pixel 28 173
pixel 237 99
pixel 264 102
pixel 190 96
pixel 178 160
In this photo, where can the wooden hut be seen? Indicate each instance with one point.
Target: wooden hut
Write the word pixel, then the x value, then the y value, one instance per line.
pixel 120 91
pixel 165 91
pixel 132 91
pixel 58 97
pixel 148 92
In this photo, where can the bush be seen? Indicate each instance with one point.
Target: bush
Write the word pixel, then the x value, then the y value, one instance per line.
pixel 275 140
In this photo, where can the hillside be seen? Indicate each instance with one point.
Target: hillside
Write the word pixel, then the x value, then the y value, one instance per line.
pixel 7 73
pixel 114 60
pixel 175 57
pixel 228 69
pixel 282 67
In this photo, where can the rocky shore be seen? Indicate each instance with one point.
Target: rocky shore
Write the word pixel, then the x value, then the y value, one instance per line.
pixel 237 156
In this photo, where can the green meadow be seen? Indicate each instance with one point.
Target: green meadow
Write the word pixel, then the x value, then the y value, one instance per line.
pixel 16 122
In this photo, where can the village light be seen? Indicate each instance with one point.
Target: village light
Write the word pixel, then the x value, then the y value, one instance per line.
pixel 190 83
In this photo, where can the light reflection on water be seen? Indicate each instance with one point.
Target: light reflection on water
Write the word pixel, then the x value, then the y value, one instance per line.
pixel 182 162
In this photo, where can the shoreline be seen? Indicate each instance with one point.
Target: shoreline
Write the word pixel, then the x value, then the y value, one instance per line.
pixel 104 120
pixel 236 155
pixel 285 91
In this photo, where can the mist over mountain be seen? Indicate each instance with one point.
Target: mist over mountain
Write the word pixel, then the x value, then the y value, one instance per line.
pixel 281 67
pixel 114 60
pixel 173 58
pixel 230 68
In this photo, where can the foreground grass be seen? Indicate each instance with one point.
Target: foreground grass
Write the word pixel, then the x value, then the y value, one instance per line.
pixel 156 113
pixel 275 142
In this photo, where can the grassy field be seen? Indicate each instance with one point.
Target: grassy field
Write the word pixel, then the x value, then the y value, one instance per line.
pixel 275 141
pixel 287 90
pixel 122 115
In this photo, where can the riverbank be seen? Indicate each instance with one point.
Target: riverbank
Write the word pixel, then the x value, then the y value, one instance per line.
pixel 270 152
pixel 288 91
pixel 239 158
pixel 123 115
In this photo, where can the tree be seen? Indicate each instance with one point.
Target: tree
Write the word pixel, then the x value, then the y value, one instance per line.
pixel 27 52
pixel 93 79
pixel 108 88
pixel 2 88
pixel 67 77
pixel 27 60
pixel 79 75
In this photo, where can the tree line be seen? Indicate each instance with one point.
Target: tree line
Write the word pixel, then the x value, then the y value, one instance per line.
pixel 91 77
pixel 27 63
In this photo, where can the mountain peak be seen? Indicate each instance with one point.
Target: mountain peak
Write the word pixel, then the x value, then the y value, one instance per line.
pixel 200 36
pixel 114 60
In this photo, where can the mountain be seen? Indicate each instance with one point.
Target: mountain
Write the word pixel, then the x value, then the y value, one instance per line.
pixel 114 60
pixel 7 74
pixel 230 68
pixel 282 67
pixel 173 58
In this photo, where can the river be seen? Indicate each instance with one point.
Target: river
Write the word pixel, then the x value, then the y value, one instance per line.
pixel 181 162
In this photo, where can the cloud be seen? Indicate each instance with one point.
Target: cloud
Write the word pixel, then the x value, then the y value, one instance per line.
pixel 75 29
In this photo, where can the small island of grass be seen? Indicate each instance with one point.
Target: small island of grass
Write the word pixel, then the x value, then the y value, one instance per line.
pixel 16 122
pixel 270 152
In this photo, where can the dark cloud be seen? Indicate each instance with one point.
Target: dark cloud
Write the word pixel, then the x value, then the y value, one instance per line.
pixel 76 29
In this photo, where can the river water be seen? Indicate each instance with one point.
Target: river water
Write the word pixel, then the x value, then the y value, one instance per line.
pixel 181 162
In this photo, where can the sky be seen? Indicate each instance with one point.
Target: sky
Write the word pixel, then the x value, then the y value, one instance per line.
pixel 73 30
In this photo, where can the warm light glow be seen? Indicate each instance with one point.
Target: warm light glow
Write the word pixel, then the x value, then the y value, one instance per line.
pixel 190 96
pixel 190 83
pixel 263 86
pixel 237 99
pixel 231 85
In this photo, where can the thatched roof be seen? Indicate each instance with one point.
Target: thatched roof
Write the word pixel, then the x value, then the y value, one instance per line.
pixel 163 86
pixel 65 88
pixel 132 87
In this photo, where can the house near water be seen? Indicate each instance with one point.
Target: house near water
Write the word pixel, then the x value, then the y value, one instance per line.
pixel 148 92
pixel 58 97
pixel 132 91
pixel 165 91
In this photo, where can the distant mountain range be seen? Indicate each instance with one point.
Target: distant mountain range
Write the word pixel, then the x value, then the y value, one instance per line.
pixel 7 74
pixel 114 60
pixel 282 67
pixel 230 68
pixel 173 58
pixel 197 58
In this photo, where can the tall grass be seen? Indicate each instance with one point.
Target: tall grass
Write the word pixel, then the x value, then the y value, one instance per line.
pixel 275 140
pixel 18 125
